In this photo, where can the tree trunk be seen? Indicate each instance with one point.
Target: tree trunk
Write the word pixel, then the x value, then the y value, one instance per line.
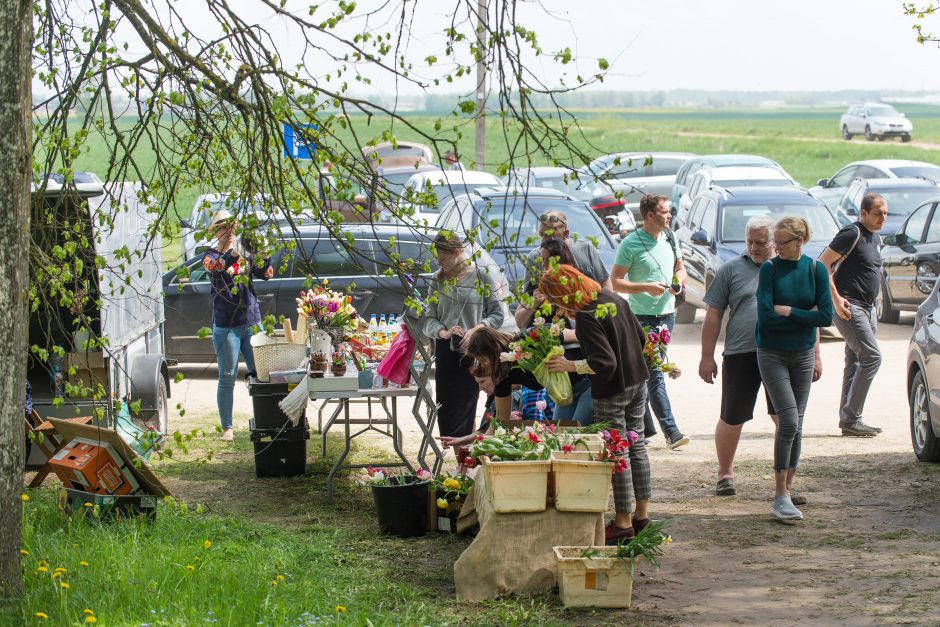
pixel 16 39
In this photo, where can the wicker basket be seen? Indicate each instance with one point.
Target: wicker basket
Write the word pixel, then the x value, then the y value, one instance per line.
pixel 279 356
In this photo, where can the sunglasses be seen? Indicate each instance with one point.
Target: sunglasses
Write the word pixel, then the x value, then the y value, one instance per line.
pixel 551 218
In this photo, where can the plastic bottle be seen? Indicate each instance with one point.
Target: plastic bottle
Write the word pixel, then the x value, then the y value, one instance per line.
pixel 383 330
pixel 393 327
pixel 56 375
pixel 373 328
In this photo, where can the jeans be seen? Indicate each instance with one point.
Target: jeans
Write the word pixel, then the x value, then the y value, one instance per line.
pixel 862 360
pixel 581 408
pixel 787 377
pixel 656 386
pixel 228 343
pixel 625 413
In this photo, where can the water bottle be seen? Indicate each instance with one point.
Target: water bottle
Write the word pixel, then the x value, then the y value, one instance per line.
pixel 393 327
pixel 373 328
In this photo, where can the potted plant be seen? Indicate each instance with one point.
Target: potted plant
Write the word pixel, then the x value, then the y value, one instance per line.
pixel 318 364
pixel 338 365
pixel 581 478
pixel 602 576
pixel 515 466
pixel 401 499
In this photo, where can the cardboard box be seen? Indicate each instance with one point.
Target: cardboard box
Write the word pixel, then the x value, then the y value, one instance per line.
pixel 89 368
pixel 92 466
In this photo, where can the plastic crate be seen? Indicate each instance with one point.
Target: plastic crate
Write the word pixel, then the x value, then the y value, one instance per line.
pixel 264 402
pixel 279 452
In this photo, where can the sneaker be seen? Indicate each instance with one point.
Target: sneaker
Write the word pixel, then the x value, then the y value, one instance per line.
pixel 783 509
pixel 676 439
pixel 228 435
pixel 725 487
pixel 796 498
pixel 613 534
pixel 858 429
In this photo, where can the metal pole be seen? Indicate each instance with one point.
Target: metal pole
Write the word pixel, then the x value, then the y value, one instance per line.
pixel 481 86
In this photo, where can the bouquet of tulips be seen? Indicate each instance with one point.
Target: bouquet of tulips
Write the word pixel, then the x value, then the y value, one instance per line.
pixel 328 308
pixel 654 350
pixel 533 350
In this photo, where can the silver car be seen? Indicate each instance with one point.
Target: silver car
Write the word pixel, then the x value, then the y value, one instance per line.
pixel 831 190
pixel 875 120
pixel 635 174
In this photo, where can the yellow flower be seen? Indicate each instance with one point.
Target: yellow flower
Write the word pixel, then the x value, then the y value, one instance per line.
pixel 326 282
pixel 87 611
pixel 442 503
pixel 190 567
pixel 42 615
pixel 88 504
pixel 60 570
pixel 56 574
pixel 25 498
pixel 24 552
pixel 451 484
pixel 280 577
pixel 341 609
pixel 42 569
pixel 91 619
pixel 274 582
pixel 65 585
pixel 207 545
pixel 667 540
pixel 83 563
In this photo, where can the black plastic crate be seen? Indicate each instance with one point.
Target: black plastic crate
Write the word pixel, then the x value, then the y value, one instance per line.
pixel 106 506
pixel 264 400
pixel 279 452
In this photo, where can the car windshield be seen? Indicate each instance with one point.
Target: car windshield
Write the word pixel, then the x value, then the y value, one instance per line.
pixel 395 183
pixel 513 222
pixel 928 172
pixel 882 110
pixel 444 193
pixel 734 219
pixel 752 183
pixel 902 202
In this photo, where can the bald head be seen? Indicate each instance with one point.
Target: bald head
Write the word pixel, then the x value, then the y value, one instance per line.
pixel 553 223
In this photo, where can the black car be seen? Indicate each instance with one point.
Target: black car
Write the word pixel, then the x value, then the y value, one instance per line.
pixel 923 376
pixel 506 221
pixel 714 231
pixel 911 259
pixel 317 254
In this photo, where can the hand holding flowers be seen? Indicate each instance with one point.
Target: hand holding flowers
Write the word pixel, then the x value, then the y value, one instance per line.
pixel 654 350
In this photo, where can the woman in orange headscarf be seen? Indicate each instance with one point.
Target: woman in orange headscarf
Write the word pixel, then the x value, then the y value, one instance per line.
pixel 612 341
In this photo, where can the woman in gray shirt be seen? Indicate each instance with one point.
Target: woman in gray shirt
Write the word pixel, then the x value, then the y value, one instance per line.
pixel 468 299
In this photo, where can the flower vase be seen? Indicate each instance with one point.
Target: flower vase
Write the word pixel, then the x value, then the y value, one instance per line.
pixel 338 370
pixel 319 340
pixel 318 364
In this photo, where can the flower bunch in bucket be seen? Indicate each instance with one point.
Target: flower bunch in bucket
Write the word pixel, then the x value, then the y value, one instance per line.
pixel 372 477
pixel 654 350
pixel 533 350
pixel 328 309
pixel 451 490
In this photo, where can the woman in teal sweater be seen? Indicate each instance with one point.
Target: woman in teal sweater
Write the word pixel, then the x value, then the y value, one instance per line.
pixel 792 301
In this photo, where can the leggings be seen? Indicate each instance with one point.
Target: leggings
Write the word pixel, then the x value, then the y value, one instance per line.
pixel 787 376
pixel 456 391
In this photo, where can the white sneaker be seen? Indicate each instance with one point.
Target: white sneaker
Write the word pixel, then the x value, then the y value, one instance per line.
pixel 783 509
pixel 228 435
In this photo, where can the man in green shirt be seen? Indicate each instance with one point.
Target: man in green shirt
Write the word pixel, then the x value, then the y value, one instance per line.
pixel 649 269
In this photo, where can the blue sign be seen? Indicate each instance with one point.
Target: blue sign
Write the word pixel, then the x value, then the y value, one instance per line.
pixel 296 146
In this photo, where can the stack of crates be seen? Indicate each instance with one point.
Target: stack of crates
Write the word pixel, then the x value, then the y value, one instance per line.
pixel 280 447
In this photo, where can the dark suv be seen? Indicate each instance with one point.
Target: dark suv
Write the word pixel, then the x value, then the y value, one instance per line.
pixel 187 300
pixel 714 231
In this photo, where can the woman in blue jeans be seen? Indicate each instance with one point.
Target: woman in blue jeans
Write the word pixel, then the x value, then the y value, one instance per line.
pixel 792 301
pixel 234 309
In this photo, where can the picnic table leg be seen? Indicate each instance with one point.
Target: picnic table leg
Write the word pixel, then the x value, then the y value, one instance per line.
pixel 396 434
pixel 329 423
pixel 343 405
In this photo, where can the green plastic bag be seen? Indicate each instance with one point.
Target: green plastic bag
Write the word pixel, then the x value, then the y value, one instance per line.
pixel 557 384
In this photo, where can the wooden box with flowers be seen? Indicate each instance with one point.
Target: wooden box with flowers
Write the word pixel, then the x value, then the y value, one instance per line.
pixel 581 477
pixel 448 494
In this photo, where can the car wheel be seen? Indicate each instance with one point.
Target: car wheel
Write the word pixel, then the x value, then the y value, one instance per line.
pixel 868 134
pixel 685 313
pixel 926 444
pixel 905 138
pixel 846 135
pixel 158 421
pixel 883 309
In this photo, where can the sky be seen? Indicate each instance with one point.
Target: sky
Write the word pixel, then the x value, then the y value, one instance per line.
pixel 799 45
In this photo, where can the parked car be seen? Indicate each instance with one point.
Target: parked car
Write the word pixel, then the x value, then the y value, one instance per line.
pixel 680 190
pixel 831 190
pixel 186 289
pixel 600 196
pixel 923 379
pixel 506 223
pixel 714 231
pixel 902 196
pixel 911 261
pixel 398 154
pixel 875 120
pixel 733 176
pixel 634 174
pixel 426 193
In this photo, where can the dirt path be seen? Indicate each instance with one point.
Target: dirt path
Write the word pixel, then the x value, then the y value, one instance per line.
pixel 867 553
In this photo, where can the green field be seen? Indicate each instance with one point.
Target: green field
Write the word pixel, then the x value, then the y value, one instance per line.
pixel 805 142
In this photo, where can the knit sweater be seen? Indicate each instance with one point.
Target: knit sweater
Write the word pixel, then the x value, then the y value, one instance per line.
pixel 476 298
pixel 612 345
pixel 802 285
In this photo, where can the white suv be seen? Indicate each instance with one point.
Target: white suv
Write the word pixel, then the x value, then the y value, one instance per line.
pixel 875 119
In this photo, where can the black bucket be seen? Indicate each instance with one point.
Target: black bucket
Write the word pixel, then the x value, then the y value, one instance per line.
pixel 402 506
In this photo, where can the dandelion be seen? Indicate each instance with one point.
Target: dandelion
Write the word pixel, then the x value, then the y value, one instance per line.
pixel 25 498
pixel 83 563
pixel 42 569
pixel 56 574
pixel 24 552
pixel 41 615
pixel 87 611
pixel 190 567
pixel 65 585
pixel 207 545
pixel 91 619
pixel 341 609
pixel 60 570
pixel 280 578
pixel 274 582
